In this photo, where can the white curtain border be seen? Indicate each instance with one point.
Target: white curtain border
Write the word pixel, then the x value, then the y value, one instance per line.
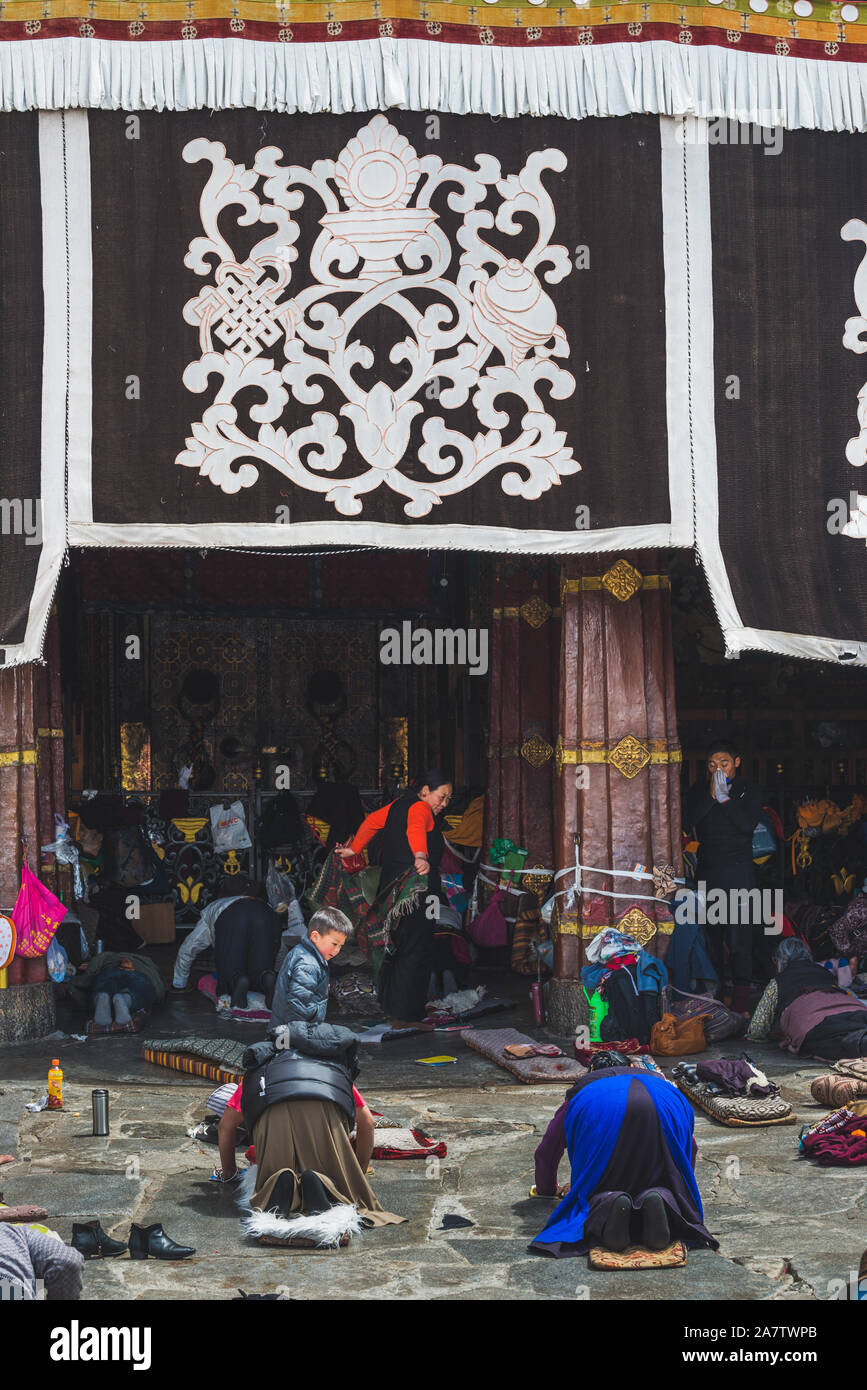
pixel 55 344
pixel 603 79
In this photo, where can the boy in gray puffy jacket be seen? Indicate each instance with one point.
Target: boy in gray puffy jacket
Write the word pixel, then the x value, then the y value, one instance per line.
pixel 301 992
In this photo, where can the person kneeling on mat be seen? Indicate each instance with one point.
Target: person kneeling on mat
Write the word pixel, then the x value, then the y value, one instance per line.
pixel 298 1104
pixel 629 1135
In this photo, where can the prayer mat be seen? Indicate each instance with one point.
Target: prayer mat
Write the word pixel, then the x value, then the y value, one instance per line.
pixel 673 1256
pixel 23 1215
pixel 630 1047
pixel 297 1243
pixel 208 987
pixel 406 1143
pixel 214 1059
pixel 532 1070
pixel 852 1066
pixel 104 1030
pixel 833 1091
pixel 747 1112
pixel 484 1006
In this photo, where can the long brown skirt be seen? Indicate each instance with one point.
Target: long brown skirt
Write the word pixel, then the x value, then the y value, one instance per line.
pixel 312 1134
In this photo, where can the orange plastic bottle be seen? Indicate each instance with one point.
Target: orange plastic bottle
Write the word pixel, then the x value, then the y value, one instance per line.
pixel 55 1086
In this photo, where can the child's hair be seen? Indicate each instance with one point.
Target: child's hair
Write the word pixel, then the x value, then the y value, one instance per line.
pixel 330 919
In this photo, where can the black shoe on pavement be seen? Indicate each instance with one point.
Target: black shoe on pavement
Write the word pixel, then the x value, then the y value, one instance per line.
pixel 152 1240
pixel 615 1232
pixel 90 1240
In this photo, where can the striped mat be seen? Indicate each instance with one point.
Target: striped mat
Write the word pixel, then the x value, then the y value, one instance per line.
pixel 214 1059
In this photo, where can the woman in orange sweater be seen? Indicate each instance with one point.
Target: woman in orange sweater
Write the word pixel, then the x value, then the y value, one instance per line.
pixel 410 838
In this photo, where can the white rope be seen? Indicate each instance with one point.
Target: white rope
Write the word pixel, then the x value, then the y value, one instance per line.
pixel 467 858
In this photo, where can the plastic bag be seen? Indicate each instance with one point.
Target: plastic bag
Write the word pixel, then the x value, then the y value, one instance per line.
pixel 58 962
pixel 279 887
pixel 37 915
pixel 229 828
pixel 65 852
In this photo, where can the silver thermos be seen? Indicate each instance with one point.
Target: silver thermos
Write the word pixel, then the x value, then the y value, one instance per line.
pixel 99 1101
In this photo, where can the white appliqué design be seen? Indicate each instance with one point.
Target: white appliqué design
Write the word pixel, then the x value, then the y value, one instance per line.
pixel 856 449
pixel 495 305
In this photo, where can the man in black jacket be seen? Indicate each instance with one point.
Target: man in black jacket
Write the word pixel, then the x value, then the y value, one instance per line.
pixel 724 810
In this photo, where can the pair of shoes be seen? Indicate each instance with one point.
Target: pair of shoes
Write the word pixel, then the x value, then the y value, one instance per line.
pixel 655 1230
pixel 90 1240
pixel 239 993
pixel 314 1198
pixel 152 1240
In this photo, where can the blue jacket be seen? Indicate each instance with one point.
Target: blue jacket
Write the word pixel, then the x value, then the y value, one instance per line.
pixel 301 992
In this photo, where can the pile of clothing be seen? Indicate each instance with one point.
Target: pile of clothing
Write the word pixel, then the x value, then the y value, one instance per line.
pixel 630 980
pixel 838 1141
pixel 728 1076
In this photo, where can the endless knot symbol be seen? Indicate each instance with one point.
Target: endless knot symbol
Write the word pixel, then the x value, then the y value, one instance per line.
pixel 243 307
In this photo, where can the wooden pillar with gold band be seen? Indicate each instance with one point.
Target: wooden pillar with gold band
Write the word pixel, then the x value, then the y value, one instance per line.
pixel 31 766
pixel 618 762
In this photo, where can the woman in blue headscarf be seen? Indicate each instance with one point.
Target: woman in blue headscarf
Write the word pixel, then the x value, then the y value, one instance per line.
pixel 629 1135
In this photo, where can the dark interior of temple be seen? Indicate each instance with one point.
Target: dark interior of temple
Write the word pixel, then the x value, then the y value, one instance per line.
pixel 263 670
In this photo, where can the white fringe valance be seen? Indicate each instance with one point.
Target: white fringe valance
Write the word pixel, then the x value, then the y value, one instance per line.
pixel 615 79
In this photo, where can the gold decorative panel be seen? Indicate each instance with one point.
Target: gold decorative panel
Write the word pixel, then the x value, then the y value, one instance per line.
pixel 630 756
pixel 622 580
pixel 536 611
pixel 536 751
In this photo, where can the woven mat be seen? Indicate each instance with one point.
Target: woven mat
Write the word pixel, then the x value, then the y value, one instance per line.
pixel 634 1257
pixel 740 1112
pixel 852 1066
pixel 532 1070
pixel 406 1143
pixel 214 1059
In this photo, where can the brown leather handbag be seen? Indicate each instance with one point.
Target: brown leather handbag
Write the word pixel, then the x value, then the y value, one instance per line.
pixel 668 1038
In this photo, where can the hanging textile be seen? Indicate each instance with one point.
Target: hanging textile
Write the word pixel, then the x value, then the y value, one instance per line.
pixel 734 59
pixel 33 375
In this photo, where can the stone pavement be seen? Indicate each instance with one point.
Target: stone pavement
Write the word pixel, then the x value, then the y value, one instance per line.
pixel 787 1229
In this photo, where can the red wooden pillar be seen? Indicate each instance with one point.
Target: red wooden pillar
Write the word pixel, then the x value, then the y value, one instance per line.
pixel 525 643
pixel 618 760
pixel 31 765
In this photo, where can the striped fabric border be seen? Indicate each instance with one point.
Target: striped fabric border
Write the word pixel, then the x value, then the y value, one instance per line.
pixel 826 31
pixel 192 1066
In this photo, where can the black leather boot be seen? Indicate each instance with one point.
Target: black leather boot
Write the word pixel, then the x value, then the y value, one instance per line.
pixel 90 1240
pixel 152 1240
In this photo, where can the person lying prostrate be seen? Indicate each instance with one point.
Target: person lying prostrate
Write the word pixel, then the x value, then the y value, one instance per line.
pixel 813 1016
pixel 629 1135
